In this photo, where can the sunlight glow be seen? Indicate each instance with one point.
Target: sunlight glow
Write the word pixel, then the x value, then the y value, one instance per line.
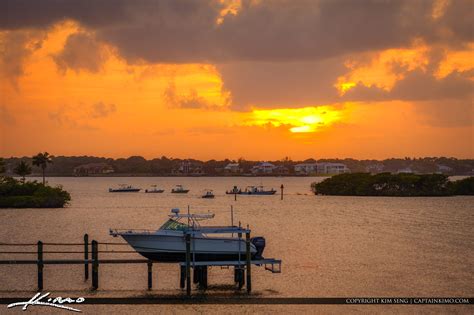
pixel 300 120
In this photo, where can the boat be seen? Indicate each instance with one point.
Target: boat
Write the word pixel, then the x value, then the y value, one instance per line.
pixel 124 188
pixel 208 194
pixel 234 191
pixel 258 190
pixel 168 244
pixel 179 189
pixel 154 190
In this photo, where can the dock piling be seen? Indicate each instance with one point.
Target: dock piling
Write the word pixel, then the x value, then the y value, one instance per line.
pixel 40 266
pixel 248 257
pixel 86 257
pixel 188 264
pixel 281 188
pixel 182 276
pixel 150 274
pixel 95 265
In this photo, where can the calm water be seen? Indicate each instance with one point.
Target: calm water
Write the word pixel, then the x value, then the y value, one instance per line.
pixel 330 246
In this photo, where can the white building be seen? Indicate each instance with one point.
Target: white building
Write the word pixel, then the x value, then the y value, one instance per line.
pixel 306 168
pixel 232 168
pixel 263 168
pixel 331 168
pixel 406 170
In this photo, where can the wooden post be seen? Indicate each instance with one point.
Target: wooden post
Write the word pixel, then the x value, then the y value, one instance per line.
pixel 248 256
pixel 196 274
pixel 95 265
pixel 281 188
pixel 150 274
pixel 182 276
pixel 235 196
pixel 40 266
pixel 204 277
pixel 188 264
pixel 86 257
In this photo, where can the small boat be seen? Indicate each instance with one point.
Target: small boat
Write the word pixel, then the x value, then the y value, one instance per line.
pixel 208 194
pixel 124 188
pixel 179 189
pixel 168 244
pixel 234 191
pixel 154 190
pixel 258 190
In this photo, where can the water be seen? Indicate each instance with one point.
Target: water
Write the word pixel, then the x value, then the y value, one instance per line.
pixel 331 246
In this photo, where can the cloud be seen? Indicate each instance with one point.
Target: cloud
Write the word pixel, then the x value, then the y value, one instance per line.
pixel 447 114
pixel 101 110
pixel 286 84
pixel 185 31
pixel 81 52
pixel 6 117
pixel 176 98
pixel 15 48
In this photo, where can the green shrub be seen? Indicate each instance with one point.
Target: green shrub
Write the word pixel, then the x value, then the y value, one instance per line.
pixel 14 194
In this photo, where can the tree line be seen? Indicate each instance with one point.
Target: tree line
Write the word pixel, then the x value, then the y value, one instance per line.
pixel 162 166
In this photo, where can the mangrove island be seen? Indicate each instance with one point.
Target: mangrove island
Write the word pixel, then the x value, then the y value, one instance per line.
pixel 387 184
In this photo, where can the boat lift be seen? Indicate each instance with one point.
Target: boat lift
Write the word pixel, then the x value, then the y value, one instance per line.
pixel 242 268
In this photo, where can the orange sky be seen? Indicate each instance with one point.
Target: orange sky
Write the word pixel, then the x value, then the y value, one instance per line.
pixel 101 103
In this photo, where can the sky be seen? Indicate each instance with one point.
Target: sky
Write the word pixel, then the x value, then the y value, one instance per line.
pixel 253 79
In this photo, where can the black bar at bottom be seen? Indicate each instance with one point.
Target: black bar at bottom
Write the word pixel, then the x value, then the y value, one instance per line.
pixel 262 300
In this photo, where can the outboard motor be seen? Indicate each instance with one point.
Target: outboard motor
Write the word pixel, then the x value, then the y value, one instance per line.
pixel 259 243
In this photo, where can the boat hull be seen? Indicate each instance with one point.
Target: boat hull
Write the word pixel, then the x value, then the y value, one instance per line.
pixel 179 191
pixel 124 190
pixel 172 248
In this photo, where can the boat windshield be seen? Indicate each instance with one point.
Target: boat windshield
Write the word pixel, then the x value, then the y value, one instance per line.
pixel 174 226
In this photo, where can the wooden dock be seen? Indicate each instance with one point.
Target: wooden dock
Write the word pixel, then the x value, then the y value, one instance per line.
pixel 242 268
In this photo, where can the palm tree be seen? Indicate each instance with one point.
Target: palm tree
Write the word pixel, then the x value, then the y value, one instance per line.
pixel 22 170
pixel 42 160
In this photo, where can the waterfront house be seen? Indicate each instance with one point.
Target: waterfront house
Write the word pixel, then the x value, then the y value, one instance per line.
pixel 232 168
pixel 331 168
pixel 263 168
pixel 93 169
pixel 305 168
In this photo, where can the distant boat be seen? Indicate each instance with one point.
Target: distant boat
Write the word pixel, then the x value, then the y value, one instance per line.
pixel 124 188
pixel 234 191
pixel 179 189
pixel 208 195
pixel 154 190
pixel 258 190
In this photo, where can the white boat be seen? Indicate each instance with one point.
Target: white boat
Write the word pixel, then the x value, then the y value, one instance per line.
pixel 208 194
pixel 154 190
pixel 124 188
pixel 167 244
pixel 179 189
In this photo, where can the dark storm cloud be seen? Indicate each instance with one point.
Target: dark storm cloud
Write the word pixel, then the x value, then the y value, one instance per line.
pixel 183 31
pixel 81 52
pixel 284 84
pixel 419 86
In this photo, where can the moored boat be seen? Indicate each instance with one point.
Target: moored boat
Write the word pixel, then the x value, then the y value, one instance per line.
pixel 258 190
pixel 234 191
pixel 154 190
pixel 167 244
pixel 208 194
pixel 124 188
pixel 179 189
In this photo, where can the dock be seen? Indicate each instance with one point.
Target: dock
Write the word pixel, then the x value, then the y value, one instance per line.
pixel 91 261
